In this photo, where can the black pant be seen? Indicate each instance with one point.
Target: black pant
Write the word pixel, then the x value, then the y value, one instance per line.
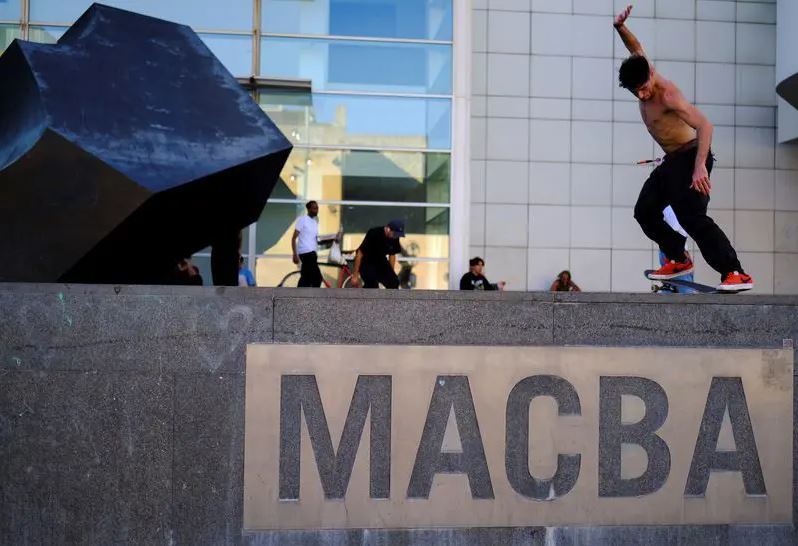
pixel 225 251
pixel 375 273
pixel 310 274
pixel 669 184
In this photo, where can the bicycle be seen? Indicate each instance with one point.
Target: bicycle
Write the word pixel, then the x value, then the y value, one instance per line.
pixel 343 278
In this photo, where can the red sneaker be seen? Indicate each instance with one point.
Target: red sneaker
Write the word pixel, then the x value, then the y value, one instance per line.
pixel 673 269
pixel 735 282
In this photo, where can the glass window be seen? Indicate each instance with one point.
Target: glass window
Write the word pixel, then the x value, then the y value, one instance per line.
pixel 7 35
pixel 427 227
pixel 234 51
pixel 46 35
pixel 423 275
pixel 271 271
pixel 433 275
pixel 204 14
pixel 412 19
pixel 10 10
pixel 351 120
pixel 344 65
pixel 359 175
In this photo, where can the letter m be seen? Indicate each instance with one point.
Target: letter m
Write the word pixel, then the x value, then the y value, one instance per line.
pixel 300 394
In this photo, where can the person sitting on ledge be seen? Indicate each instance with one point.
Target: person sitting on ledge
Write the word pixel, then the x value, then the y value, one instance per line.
pixel 475 280
pixel 563 283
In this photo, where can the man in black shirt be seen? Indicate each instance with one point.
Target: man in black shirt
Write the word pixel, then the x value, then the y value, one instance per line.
pixel 475 280
pixel 370 262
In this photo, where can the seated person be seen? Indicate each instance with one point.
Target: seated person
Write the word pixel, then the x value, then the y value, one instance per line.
pixel 245 276
pixel 475 280
pixel 187 273
pixel 563 283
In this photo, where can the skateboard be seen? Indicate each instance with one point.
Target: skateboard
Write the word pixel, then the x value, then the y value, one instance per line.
pixel 672 285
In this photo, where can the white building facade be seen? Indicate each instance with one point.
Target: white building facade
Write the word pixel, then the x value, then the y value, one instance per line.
pixel 554 139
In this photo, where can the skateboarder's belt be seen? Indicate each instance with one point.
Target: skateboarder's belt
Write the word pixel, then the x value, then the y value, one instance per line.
pixel 687 146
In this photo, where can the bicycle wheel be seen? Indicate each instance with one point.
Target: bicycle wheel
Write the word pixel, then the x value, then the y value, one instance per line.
pixel 347 282
pixel 290 280
pixel 329 273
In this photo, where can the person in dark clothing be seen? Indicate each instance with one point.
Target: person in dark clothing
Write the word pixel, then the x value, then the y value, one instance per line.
pixel 187 273
pixel 371 267
pixel 475 280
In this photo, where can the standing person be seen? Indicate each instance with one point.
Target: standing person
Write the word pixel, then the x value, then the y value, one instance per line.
pixel 682 180
pixel 564 283
pixel 475 280
pixel 370 260
pixel 304 244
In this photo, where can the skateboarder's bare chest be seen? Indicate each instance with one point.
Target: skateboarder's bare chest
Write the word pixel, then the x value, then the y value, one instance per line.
pixel 668 129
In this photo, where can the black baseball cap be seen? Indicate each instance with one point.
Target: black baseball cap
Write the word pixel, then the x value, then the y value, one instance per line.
pixel 398 227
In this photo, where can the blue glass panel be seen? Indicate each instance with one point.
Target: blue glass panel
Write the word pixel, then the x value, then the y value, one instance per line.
pixel 365 175
pixel 10 10
pixel 345 65
pixel 412 19
pixel 7 35
pixel 235 51
pixel 351 120
pixel 204 14
pixel 46 35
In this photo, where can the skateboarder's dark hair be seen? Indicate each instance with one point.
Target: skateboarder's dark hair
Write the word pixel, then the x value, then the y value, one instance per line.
pixel 633 73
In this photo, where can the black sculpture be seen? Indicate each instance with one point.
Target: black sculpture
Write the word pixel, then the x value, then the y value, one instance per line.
pixel 123 148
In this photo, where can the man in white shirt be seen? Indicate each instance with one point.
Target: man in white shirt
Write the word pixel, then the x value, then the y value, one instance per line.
pixel 304 244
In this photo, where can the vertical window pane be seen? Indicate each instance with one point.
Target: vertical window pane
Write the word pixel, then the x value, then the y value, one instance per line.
pixel 412 19
pixel 341 65
pixel 352 120
pixel 10 10
pixel 276 226
pixel 46 35
pixel 424 275
pixel 270 271
pixel 204 14
pixel 234 51
pixel 7 35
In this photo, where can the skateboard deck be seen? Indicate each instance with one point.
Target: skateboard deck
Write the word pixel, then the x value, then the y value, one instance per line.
pixel 670 285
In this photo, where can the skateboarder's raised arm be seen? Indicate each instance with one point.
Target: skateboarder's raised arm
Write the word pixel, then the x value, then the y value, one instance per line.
pixel 629 39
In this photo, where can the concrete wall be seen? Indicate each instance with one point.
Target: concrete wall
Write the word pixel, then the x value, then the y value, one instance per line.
pixel 122 408
pixel 554 138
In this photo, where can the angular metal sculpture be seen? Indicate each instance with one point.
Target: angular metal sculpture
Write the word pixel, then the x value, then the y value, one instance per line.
pixel 124 147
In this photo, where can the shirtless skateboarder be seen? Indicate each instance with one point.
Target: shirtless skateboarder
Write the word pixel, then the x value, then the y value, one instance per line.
pixel 682 180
